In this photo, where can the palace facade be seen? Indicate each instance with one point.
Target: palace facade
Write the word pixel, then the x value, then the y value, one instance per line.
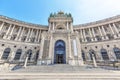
pixel 60 42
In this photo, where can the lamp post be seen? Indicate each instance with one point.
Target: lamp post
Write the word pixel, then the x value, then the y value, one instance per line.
pixel 26 60
pixel 94 61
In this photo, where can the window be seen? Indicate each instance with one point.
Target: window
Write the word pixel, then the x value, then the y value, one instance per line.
pixel 108 45
pixel 25 47
pixel 83 56
pixel 98 38
pixel 23 38
pixel 3 44
pixel 85 47
pixel 110 36
pixel 2 35
pixel 6 53
pixel 86 32
pixel 104 54
pixel 37 55
pixel 29 53
pixel 13 37
pixel 88 39
pixel 14 46
pixel 92 53
pixel 96 47
pixel 32 39
pixel 18 54
pixel 6 28
pixel 117 52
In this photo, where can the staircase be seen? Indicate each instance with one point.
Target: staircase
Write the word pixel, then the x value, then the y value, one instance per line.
pixel 59 68
pixel 60 72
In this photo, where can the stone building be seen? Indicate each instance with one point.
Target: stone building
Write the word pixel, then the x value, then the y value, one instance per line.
pixel 60 42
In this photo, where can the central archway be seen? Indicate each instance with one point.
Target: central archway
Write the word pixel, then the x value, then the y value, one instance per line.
pixel 60 52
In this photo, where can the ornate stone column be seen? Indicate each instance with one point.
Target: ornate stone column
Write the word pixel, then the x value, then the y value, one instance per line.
pixel 93 31
pixel 81 35
pixel 39 36
pixel 91 34
pixel 8 31
pixel 18 33
pixel 21 35
pixel 104 32
pixel 30 35
pixel 116 29
pixel 36 36
pixel 27 38
pixel 84 35
pixel 11 32
pixel 2 26
pixel 101 33
pixel 112 31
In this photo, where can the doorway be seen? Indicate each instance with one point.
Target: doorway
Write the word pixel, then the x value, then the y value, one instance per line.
pixel 59 52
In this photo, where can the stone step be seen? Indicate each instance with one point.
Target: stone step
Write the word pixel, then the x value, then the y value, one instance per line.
pixel 60 76
pixel 59 69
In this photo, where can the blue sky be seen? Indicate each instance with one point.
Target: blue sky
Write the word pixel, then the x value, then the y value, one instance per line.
pixel 38 11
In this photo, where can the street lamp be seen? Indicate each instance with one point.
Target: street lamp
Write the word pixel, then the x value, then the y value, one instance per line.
pixel 26 60
pixel 94 61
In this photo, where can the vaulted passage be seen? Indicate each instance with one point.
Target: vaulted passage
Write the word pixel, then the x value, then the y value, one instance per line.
pixel 59 52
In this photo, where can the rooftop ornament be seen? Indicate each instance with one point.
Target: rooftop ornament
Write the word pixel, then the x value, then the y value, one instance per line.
pixel 60 14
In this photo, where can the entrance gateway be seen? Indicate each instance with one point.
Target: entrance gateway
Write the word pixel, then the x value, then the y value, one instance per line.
pixel 59 52
pixel 60 44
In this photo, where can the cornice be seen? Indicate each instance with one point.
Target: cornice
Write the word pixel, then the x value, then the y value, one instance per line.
pixel 99 22
pixel 22 22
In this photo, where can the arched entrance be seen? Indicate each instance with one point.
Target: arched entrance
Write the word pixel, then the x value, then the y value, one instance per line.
pixel 59 52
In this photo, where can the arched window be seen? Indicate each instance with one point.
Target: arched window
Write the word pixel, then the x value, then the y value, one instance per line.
pixel 37 55
pixel 18 54
pixel 83 56
pixel 117 52
pixel 104 54
pixel 29 52
pixel 6 53
pixel 92 52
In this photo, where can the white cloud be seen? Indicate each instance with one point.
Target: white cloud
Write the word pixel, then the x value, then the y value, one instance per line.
pixel 92 10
